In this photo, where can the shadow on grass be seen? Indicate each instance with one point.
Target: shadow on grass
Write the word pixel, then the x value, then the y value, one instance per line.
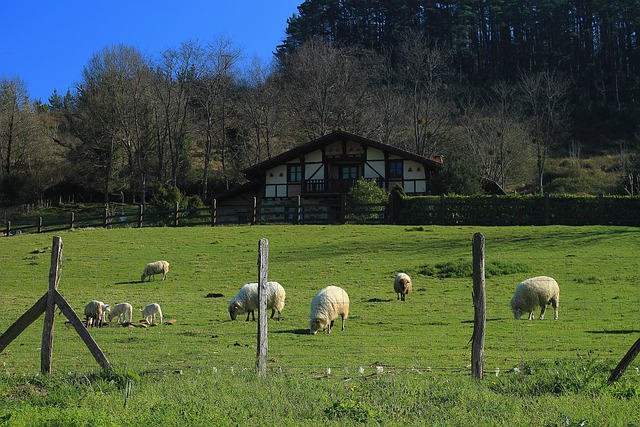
pixel 495 319
pixel 293 331
pixel 133 282
pixel 615 332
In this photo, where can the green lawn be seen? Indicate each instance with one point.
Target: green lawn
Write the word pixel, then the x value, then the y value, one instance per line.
pixel 421 343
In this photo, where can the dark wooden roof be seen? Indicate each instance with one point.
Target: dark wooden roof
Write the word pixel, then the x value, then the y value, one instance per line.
pixel 257 170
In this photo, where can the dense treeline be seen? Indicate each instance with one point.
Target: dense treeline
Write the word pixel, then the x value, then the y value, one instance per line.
pixel 497 87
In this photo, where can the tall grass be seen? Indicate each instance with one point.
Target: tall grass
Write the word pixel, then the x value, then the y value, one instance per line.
pixel 201 369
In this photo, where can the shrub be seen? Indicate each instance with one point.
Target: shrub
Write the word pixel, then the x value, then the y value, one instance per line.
pixel 366 201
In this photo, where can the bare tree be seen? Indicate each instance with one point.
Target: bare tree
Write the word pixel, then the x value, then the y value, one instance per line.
pixel 15 123
pixel 424 70
pixel 544 97
pixel 213 97
pixel 259 107
pixel 327 88
pixel 176 77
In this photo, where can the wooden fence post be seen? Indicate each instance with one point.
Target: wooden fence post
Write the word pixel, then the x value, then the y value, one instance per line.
pixel 479 306
pixel 140 212
pixel 72 220
pixel 8 229
pixel 46 304
pixel 254 217
pixel 175 214
pixel 625 362
pixel 105 217
pixel 214 212
pixel 263 342
pixel 298 210
pixel 46 350
pixel 40 222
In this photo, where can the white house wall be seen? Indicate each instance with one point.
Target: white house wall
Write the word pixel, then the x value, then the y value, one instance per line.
pixel 414 171
pixel 314 168
pixel 375 165
pixel 276 182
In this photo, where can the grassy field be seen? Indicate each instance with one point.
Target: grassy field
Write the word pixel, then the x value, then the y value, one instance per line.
pixel 200 369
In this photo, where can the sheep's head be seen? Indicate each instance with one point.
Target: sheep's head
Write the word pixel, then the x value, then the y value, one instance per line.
pixel 144 276
pixel 517 312
pixel 235 308
pixel 317 324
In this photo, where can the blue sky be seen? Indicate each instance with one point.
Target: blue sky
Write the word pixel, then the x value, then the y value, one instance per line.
pixel 47 43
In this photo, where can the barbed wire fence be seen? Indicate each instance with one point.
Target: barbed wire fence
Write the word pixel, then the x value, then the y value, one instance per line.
pixel 429 333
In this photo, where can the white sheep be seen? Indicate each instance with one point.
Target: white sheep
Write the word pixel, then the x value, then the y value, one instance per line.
pixel 326 306
pixel 402 285
pixel 121 311
pixel 153 268
pixel 150 312
pixel 95 312
pixel 247 301
pixel 534 292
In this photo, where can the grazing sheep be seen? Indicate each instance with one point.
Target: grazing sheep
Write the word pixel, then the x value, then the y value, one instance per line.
pixel 534 292
pixel 402 285
pixel 122 311
pixel 246 301
pixel 154 268
pixel 95 312
pixel 326 306
pixel 151 312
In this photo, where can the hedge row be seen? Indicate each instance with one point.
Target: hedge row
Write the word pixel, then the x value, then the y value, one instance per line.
pixel 517 210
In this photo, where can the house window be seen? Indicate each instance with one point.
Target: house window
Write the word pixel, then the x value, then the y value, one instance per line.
pixel 395 169
pixel 349 172
pixel 295 173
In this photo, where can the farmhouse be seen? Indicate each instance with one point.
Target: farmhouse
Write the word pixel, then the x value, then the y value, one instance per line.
pixel 322 171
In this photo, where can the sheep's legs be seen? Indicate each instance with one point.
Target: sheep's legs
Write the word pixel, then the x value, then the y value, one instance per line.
pixel 343 322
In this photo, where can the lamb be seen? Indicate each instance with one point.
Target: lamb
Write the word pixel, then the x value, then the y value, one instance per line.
pixel 533 292
pixel 154 268
pixel 326 306
pixel 121 310
pixel 246 301
pixel 95 312
pixel 151 312
pixel 402 285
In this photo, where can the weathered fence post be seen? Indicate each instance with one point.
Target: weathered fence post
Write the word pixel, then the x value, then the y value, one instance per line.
pixel 46 304
pixel 214 212
pixel 105 217
pixel 479 306
pixel 140 212
pixel 8 229
pixel 40 222
pixel 263 344
pixel 298 210
pixel 625 362
pixel 46 350
pixel 72 220
pixel 254 217
pixel 343 209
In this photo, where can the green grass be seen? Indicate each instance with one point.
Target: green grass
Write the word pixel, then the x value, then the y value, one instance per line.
pixel 200 370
